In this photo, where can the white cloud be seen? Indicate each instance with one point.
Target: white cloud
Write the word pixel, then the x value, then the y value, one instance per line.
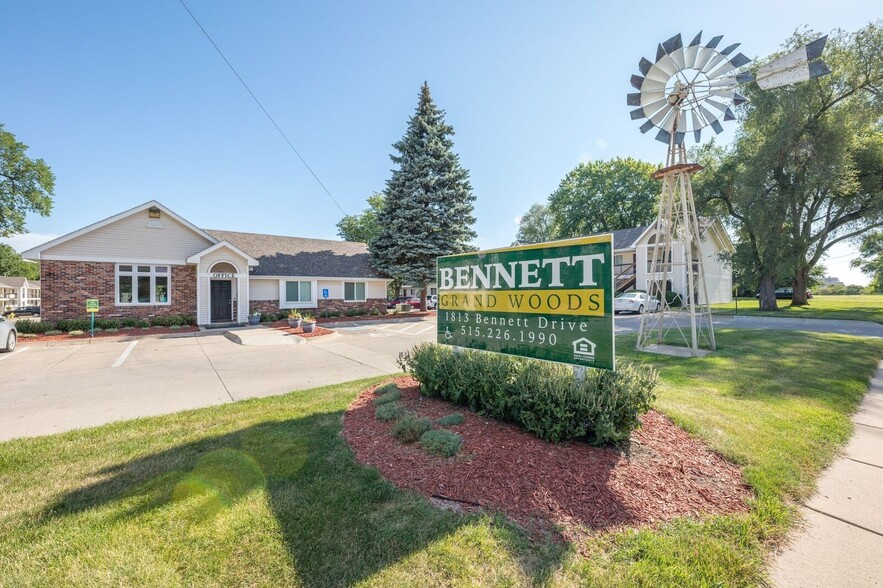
pixel 27 240
pixel 585 157
pixel 601 143
pixel 518 219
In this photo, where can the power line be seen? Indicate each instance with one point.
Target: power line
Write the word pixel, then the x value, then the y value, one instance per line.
pixel 258 102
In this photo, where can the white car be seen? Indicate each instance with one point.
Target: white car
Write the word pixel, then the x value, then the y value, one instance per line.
pixel 8 335
pixel 638 302
pixel 431 302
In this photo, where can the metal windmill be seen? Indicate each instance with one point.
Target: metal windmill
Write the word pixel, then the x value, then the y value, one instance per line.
pixel 690 88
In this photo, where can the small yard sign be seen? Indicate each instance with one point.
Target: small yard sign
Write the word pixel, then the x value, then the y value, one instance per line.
pixel 92 305
pixel 551 301
pixel 325 293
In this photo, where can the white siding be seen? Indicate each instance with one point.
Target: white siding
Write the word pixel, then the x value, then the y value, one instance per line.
pixel 335 289
pixel 130 239
pixel 718 275
pixel 376 289
pixel 263 289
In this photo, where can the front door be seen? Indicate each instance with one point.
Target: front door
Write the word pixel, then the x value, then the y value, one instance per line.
pixel 222 301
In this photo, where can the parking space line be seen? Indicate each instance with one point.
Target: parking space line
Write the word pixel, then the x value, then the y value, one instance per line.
pixel 124 355
pixel 411 326
pixel 427 329
pixel 16 352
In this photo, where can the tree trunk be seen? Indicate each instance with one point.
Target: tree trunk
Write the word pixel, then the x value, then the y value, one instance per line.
pixel 768 291
pixel 801 279
pixel 423 298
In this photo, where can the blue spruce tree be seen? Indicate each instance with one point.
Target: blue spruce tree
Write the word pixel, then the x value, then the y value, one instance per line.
pixel 428 201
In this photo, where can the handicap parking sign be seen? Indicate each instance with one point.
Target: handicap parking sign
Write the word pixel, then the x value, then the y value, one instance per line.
pixel 324 292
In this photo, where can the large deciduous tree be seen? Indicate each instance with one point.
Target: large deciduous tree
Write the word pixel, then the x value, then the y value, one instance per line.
pixel 428 201
pixel 870 259
pixel 11 264
pixel 602 196
pixel 806 169
pixel 362 227
pixel 537 226
pixel 26 185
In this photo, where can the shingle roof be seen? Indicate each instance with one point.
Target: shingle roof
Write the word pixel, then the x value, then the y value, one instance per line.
pixel 623 238
pixel 12 282
pixel 294 256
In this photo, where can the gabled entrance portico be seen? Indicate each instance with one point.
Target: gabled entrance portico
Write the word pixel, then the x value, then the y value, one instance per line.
pixel 222 284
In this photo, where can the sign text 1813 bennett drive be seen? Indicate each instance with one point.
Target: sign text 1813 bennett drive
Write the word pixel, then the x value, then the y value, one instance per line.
pixel 551 301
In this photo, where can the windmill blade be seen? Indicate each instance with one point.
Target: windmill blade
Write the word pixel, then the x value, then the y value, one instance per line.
pixel 653 107
pixel 650 96
pixel 703 57
pixel 794 67
pixel 692 51
pixel 658 118
pixel 721 82
pixel 732 64
pixel 633 99
pixel 713 63
pixel 719 105
pixel 739 99
pixel 646 127
pixel 644 65
pixel 698 122
pixel 727 93
pixel 718 129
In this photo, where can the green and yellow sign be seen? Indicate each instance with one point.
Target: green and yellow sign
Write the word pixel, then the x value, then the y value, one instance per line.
pixel 551 301
pixel 91 305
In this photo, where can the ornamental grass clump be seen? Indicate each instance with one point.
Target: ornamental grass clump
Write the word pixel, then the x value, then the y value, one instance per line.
pixel 388 412
pixel 410 427
pixel 455 418
pixel 387 397
pixel 543 397
pixel 441 442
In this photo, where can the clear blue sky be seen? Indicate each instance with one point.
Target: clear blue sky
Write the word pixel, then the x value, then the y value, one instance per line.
pixel 127 101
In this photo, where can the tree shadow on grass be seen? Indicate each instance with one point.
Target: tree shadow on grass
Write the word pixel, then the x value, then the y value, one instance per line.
pixel 340 522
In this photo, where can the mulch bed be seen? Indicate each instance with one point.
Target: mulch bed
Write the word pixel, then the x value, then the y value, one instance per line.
pixel 344 319
pixel 317 330
pixel 665 473
pixel 135 332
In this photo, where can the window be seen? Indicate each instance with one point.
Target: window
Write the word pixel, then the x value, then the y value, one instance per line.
pixel 354 291
pixel 142 284
pixel 298 291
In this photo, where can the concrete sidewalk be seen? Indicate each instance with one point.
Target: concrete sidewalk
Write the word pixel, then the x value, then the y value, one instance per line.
pixel 841 543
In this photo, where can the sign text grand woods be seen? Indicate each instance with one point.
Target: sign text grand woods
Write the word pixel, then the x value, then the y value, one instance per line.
pixel 551 301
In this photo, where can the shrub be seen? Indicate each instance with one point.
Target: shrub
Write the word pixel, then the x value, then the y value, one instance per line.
pixel 410 427
pixel 356 312
pixel 26 326
pixel 441 442
pixel 27 335
pixel 386 388
pixel 69 325
pixel 390 396
pixel 111 330
pixel 187 319
pixel 54 332
pixel 389 411
pixel 329 314
pixel 455 418
pixel 673 299
pixel 75 332
pixel 130 322
pixel 175 327
pixel 107 323
pixel 375 312
pixel 543 397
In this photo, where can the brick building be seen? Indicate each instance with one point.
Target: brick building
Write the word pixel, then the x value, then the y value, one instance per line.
pixel 148 261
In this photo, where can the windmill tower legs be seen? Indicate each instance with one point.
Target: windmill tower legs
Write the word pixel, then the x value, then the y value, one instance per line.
pixel 675 259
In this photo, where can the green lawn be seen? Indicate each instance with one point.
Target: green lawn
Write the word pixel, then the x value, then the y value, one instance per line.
pixel 863 307
pixel 266 493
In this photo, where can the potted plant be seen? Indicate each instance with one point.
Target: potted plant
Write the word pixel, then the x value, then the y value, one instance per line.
pixel 294 318
pixel 254 317
pixel 309 323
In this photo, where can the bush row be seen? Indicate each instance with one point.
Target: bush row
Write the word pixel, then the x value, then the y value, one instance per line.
pixel 543 397
pixel 270 317
pixel 26 326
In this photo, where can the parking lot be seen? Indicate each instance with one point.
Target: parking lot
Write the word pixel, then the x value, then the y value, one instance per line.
pixel 51 388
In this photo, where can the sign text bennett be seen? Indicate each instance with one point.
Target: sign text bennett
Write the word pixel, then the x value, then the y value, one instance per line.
pixel 548 301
